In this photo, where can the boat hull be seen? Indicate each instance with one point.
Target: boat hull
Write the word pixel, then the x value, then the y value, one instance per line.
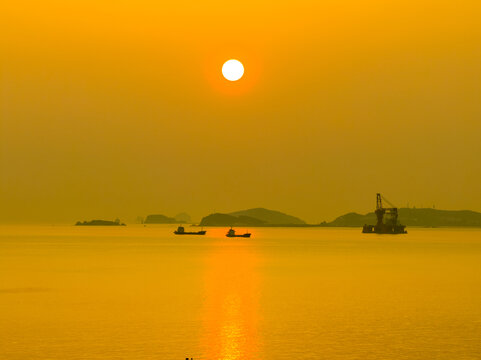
pixel 190 233
pixel 385 229
pixel 243 235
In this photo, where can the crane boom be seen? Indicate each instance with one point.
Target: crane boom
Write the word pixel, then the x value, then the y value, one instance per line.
pixel 378 201
pixel 389 225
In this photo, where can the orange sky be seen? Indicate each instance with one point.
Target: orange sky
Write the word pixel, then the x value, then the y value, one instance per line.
pixel 118 108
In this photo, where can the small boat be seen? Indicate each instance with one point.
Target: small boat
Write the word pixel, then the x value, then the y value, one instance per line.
pixel 231 233
pixel 181 231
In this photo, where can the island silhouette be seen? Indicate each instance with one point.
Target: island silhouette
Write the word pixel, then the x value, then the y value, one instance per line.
pixel 424 217
pixel 116 222
pixel 159 219
pixel 252 217
pixel 261 217
pixel 181 218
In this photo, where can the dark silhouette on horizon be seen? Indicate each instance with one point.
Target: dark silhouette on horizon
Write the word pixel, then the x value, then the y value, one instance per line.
pixel 182 218
pixel 100 223
pixel 252 217
pixel 181 231
pixel 159 219
pixel 231 233
pixel 423 217
pixel 388 225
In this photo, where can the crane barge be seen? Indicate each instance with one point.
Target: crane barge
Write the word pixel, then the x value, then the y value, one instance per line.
pixel 390 225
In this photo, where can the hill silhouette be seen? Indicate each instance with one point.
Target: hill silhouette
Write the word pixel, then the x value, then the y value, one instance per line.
pixel 271 217
pixel 219 219
pixel 100 223
pixel 252 217
pixel 159 219
pixel 414 217
pixel 183 218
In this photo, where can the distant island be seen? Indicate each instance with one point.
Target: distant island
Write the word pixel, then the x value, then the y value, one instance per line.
pixel 252 217
pixel 159 219
pixel 425 217
pixel 100 223
pixel 261 217
pixel 181 218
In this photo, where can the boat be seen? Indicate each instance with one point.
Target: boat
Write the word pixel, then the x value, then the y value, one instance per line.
pixel 181 231
pixel 388 226
pixel 231 233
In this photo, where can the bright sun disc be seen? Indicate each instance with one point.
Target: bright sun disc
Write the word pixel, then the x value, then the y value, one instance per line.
pixel 232 70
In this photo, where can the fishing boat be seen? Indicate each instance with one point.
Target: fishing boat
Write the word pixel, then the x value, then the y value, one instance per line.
pixel 181 231
pixel 231 233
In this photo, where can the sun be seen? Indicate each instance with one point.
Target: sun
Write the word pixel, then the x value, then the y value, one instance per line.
pixel 233 70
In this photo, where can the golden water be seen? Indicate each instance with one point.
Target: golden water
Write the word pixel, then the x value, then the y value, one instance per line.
pixel 142 293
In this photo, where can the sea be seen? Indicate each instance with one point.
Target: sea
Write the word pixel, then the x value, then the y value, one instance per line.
pixel 141 292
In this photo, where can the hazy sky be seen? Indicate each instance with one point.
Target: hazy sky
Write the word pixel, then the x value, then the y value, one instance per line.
pixel 118 108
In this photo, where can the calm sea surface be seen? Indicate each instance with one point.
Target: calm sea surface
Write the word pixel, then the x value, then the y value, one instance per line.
pixel 142 293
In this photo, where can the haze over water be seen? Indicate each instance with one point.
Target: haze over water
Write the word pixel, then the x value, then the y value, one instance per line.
pixel 141 293
pixel 120 109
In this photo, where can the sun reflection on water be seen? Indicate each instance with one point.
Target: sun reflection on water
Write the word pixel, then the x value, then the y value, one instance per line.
pixel 231 298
